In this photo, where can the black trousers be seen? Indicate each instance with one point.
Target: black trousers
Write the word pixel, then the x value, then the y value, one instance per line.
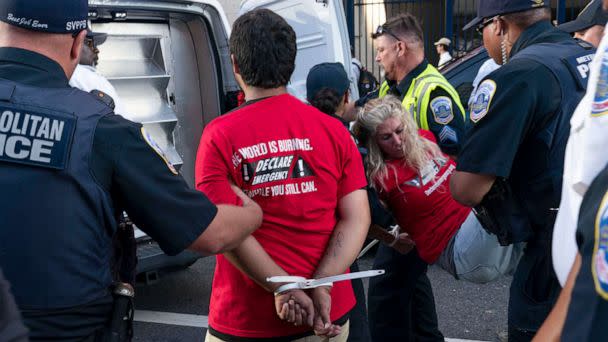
pixel 359 328
pixel 534 291
pixel 400 303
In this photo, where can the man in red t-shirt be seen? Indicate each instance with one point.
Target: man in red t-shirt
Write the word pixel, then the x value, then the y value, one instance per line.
pixel 305 171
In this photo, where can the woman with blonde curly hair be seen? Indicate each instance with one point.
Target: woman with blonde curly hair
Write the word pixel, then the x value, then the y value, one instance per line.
pixel 411 175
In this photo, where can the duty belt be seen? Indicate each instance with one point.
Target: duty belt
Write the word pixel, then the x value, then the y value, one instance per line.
pixel 301 283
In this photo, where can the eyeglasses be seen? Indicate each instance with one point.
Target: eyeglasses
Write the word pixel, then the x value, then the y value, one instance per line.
pixel 485 23
pixel 382 29
pixel 90 43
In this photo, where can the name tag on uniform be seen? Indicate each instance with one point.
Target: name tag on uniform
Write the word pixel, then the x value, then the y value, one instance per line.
pixel 34 137
pixel 579 67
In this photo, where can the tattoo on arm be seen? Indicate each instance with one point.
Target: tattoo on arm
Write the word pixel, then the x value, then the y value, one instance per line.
pixel 334 245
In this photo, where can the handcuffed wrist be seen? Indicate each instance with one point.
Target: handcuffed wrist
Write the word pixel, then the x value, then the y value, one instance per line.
pixel 395 233
pixel 295 286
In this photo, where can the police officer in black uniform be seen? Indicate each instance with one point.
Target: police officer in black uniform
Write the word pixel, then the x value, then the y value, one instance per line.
pixel 581 311
pixel 511 162
pixel 588 309
pixel 68 167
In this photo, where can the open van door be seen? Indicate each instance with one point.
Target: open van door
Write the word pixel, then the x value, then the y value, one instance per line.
pixel 169 63
pixel 321 32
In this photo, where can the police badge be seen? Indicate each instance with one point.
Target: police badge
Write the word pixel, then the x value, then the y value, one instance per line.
pixel 599 264
pixel 482 99
pixel 441 107
pixel 148 139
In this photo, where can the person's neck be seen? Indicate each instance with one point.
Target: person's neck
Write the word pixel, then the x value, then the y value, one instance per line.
pixel 254 93
pixel 409 65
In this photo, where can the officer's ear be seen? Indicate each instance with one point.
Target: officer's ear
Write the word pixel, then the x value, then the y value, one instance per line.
pixel 402 48
pixel 77 44
pixel 500 26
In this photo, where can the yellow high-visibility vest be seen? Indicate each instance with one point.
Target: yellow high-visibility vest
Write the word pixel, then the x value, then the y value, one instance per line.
pixel 416 99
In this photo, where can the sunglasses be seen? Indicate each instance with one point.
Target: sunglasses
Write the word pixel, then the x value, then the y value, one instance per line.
pixel 485 23
pixel 382 29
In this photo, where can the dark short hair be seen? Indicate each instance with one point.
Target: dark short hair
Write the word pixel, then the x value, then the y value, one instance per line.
pixel 326 100
pixel 404 25
pixel 264 48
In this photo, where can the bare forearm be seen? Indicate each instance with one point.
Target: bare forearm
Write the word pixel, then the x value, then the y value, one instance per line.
pixel 468 188
pixel 231 225
pixel 342 249
pixel 251 258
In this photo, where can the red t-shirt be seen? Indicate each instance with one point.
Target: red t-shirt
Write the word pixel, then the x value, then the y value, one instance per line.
pixel 296 163
pixel 422 203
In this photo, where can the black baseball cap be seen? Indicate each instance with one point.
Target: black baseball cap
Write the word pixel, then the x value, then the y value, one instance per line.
pixel 53 16
pixel 593 14
pixel 98 38
pixel 491 8
pixel 326 75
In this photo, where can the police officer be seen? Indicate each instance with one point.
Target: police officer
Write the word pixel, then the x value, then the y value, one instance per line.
pixel 424 92
pixel 589 24
pixel 68 167
pixel 511 162
pixel 583 161
pixel 86 77
pixel 581 311
pixel 588 309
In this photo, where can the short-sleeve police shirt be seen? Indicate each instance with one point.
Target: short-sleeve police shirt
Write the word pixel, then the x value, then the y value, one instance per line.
pixel 448 134
pixel 588 310
pixel 137 179
pixel 513 102
pixel 126 166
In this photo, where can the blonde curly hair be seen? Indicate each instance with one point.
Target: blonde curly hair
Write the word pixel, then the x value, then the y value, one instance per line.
pixel 417 151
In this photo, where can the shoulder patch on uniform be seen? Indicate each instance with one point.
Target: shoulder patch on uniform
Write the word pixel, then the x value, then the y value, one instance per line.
pixel 441 107
pixel 599 107
pixel 599 263
pixel 148 139
pixel 482 99
pixel 103 97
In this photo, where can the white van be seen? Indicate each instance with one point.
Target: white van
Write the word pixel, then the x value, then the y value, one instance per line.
pixel 170 64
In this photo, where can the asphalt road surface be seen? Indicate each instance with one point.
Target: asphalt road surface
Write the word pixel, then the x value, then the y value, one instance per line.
pixel 176 307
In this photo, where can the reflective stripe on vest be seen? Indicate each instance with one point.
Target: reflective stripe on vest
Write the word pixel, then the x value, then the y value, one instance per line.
pixel 416 99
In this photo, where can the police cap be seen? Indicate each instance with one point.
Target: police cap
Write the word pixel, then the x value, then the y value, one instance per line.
pixel 491 8
pixel 53 16
pixel 593 14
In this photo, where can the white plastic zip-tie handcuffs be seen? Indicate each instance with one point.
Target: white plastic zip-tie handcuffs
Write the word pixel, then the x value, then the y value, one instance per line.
pixel 301 283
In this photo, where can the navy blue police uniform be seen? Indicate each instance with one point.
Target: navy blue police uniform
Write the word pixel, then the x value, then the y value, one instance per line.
pixel 519 129
pixel 448 134
pixel 588 310
pixel 68 168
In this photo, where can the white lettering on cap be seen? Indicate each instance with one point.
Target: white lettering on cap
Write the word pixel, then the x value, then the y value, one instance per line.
pixel 76 25
pixel 23 21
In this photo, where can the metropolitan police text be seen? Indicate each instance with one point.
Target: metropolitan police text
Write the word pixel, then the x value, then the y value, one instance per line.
pixel 31 136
